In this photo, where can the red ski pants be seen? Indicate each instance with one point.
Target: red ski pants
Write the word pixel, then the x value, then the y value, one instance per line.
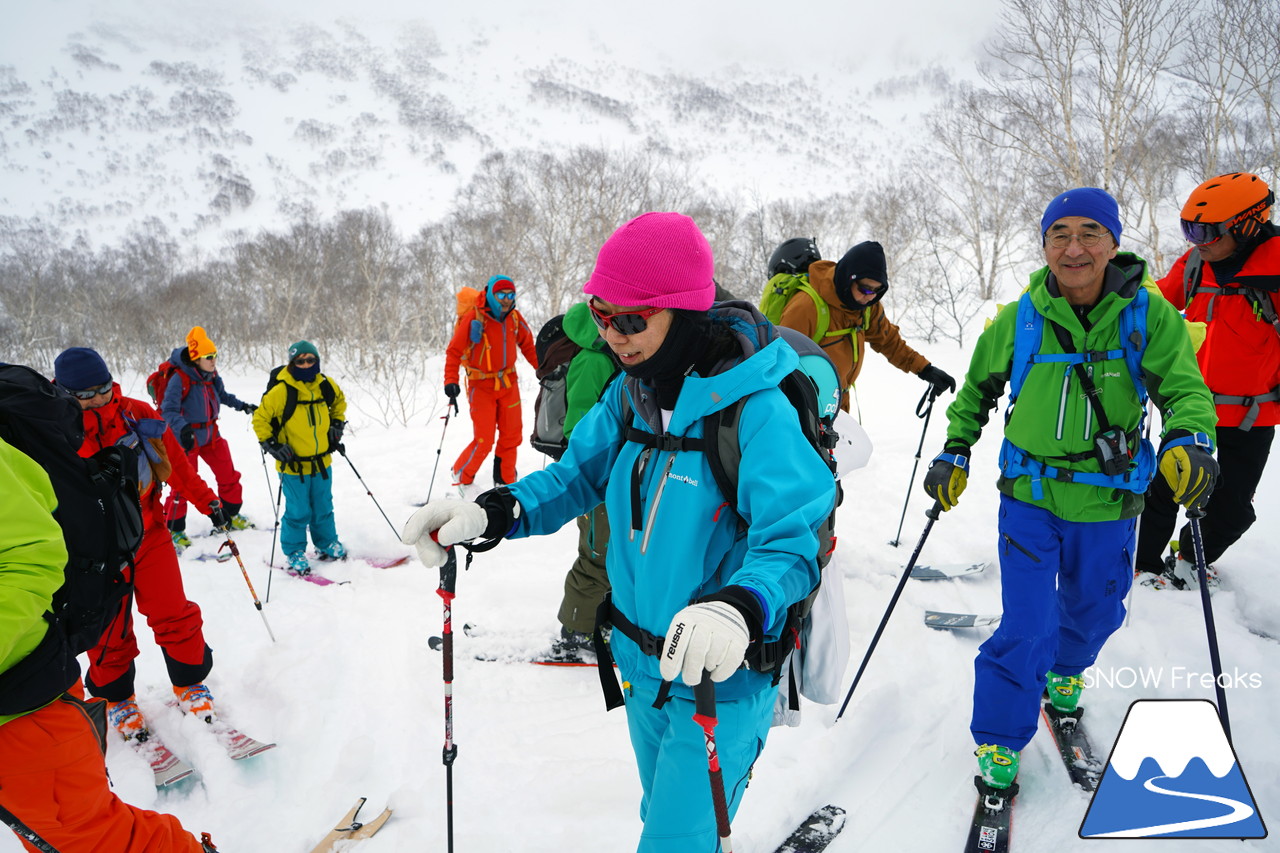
pixel 175 621
pixel 492 408
pixel 217 455
pixel 53 778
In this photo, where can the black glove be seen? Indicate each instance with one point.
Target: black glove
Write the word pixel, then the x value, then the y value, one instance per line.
pixel 502 509
pixel 187 437
pixel 282 452
pixel 947 476
pixel 219 516
pixel 939 379
pixel 248 408
pixel 1189 469
pixel 452 390
pixel 335 435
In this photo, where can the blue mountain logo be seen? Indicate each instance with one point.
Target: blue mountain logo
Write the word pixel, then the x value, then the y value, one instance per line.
pixel 1173 774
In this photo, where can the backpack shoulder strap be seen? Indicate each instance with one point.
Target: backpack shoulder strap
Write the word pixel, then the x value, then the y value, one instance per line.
pixel 1133 338
pixel 1192 273
pixel 820 306
pixel 1026 343
pixel 290 406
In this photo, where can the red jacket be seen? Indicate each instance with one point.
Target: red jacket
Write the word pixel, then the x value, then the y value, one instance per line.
pixel 493 357
pixel 106 425
pixel 1240 356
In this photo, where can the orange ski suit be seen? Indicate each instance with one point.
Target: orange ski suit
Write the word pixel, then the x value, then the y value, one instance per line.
pixel 488 355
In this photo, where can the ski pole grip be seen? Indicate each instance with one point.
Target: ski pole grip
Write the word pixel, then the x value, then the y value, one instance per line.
pixel 704 697
pixel 934 511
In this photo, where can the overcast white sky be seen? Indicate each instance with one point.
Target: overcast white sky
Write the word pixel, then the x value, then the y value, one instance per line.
pixel 689 34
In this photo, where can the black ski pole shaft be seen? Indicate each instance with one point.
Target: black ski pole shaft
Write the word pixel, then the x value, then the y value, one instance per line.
pixel 343 451
pixel 704 699
pixel 432 484
pixel 929 395
pixel 932 513
pixel 446 591
pixel 275 509
pixel 235 552
pixel 25 832
pixel 1215 660
pixel 275 531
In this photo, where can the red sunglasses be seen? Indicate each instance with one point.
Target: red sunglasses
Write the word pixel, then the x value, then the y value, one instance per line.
pixel 624 322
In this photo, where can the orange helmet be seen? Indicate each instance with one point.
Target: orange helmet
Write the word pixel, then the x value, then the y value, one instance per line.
pixel 1220 203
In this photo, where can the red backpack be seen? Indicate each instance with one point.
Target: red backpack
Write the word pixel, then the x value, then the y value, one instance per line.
pixel 158 381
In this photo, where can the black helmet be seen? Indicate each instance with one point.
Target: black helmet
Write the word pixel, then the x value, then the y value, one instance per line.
pixel 794 256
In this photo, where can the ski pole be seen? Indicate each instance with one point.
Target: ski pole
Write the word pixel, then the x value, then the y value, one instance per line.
pixel 432 485
pixel 275 529
pixel 930 395
pixel 932 513
pixel 704 698
pixel 446 591
pixel 25 832
pixel 1202 569
pixel 266 475
pixel 235 552
pixel 343 451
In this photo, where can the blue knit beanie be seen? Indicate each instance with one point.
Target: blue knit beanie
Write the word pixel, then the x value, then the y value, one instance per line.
pixel 1092 202
pixel 80 368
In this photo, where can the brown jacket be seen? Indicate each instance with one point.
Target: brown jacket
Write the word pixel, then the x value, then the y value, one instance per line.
pixel 873 328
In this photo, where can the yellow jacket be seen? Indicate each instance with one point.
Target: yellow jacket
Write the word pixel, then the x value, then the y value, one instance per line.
pixel 306 429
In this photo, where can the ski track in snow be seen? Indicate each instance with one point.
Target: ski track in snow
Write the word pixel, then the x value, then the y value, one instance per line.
pixel 354 698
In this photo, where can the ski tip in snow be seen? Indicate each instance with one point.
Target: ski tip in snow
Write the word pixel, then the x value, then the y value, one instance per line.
pixel 941 621
pixel 351 829
pixel 816 831
pixel 946 571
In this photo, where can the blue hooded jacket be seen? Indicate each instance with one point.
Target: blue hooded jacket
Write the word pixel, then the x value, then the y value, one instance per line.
pixel 202 402
pixel 691 544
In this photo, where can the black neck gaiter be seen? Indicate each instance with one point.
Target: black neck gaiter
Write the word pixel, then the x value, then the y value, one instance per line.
pixel 666 369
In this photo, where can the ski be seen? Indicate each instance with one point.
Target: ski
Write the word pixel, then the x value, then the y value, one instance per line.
pixel 238 744
pixel 941 621
pixel 167 768
pixel 815 832
pixel 220 557
pixel 1074 746
pixel 550 657
pixel 376 562
pixel 992 819
pixel 946 571
pixel 310 577
pixel 350 829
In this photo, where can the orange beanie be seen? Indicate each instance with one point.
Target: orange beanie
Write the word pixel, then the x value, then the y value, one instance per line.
pixel 198 343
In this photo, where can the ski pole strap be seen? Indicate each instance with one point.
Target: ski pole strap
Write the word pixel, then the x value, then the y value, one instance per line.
pixel 1199 439
pixel 957 459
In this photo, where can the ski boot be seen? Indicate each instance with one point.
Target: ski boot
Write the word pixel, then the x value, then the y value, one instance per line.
pixel 298 563
pixel 127 720
pixel 196 699
pixel 239 522
pixel 333 551
pixel 180 541
pixel 573 647
pixel 997 765
pixel 1064 692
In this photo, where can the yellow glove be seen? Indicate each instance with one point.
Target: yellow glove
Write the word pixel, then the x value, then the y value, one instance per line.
pixel 946 478
pixel 1190 472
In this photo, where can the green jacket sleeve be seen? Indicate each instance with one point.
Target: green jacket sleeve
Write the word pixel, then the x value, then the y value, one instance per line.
pixel 984 382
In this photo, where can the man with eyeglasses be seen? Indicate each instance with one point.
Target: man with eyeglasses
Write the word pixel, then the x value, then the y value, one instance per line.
pixel 485 342
pixel 852 289
pixel 1081 349
pixel 1229 280
pixel 111 418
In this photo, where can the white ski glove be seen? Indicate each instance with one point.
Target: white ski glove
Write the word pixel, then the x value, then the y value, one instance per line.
pixel 711 636
pixel 453 521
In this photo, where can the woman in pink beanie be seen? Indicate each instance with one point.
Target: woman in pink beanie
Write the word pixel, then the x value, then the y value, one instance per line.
pixel 700 581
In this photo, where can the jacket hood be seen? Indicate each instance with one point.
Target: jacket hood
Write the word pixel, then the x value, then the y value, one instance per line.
pixel 581 329
pixel 1125 274
pixel 177 360
pixel 764 359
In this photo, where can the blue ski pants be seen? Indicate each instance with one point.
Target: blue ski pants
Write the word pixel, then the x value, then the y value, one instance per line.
pixel 1063 585
pixel 671 755
pixel 308 502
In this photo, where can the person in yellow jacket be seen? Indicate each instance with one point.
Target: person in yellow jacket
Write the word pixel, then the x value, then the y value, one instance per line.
pixel 852 289
pixel 300 422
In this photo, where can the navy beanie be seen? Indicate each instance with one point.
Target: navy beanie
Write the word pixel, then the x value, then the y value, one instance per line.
pixel 865 260
pixel 1090 202
pixel 80 368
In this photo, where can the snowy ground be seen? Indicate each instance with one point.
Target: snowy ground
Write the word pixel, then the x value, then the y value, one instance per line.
pixel 352 694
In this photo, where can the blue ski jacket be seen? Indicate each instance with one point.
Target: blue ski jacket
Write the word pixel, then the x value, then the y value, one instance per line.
pixel 200 405
pixel 690 543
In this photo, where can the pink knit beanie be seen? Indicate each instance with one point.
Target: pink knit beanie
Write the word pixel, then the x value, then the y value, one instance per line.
pixel 658 259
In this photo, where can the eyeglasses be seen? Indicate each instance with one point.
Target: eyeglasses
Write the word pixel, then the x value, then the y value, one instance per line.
pixel 1061 239
pixel 624 322
pixel 305 360
pixel 90 393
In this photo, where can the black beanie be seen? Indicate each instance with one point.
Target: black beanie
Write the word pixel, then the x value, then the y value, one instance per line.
pixel 865 260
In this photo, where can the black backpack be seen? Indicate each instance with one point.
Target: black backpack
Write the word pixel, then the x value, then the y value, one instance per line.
pixel 291 398
pixel 555 350
pixel 101 519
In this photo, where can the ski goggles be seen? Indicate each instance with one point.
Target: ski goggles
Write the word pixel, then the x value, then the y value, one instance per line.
pixel 504 295
pixel 1204 233
pixel 623 322
pixel 90 393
